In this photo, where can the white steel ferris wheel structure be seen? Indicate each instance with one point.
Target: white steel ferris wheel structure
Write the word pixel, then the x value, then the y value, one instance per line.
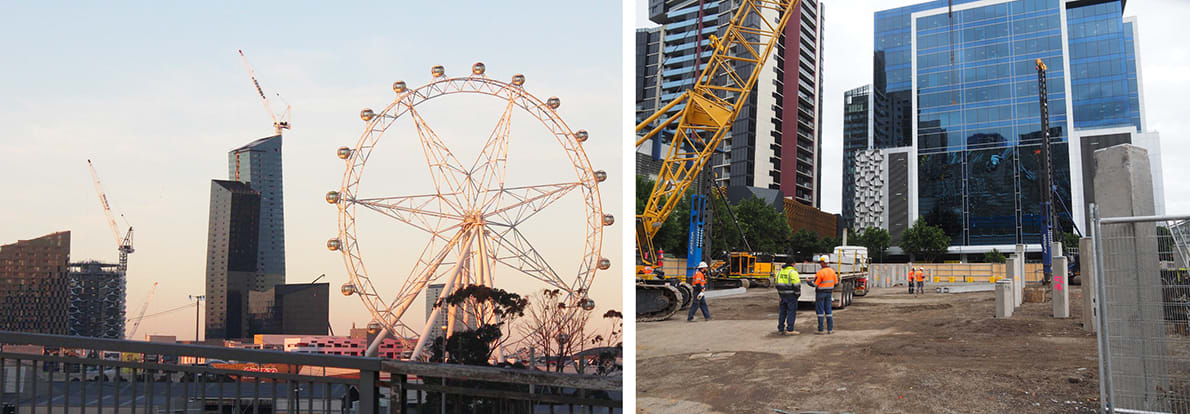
pixel 472 218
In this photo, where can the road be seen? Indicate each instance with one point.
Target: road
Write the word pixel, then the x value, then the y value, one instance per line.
pixel 891 352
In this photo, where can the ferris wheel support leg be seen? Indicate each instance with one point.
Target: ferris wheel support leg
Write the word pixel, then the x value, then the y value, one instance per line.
pixel 425 331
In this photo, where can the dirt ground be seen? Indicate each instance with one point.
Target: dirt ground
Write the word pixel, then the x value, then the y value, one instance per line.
pixel 890 353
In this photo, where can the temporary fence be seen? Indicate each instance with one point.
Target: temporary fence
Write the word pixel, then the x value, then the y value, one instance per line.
pixel 893 274
pixel 1144 313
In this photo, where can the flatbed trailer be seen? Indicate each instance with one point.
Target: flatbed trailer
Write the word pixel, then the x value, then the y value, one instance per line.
pixel 851 264
pixel 851 284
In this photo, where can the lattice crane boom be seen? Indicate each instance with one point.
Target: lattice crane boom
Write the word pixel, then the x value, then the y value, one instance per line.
pixel 123 243
pixel 140 315
pixel 711 106
pixel 279 123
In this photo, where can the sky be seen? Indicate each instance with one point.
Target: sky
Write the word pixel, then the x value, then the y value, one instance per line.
pixel 157 96
pixel 848 49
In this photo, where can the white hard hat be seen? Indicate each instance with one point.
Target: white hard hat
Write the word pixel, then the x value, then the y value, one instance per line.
pixel 824 258
pixel 702 265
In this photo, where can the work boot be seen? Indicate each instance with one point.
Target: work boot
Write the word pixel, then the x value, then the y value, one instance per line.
pixel 794 333
pixel 690 320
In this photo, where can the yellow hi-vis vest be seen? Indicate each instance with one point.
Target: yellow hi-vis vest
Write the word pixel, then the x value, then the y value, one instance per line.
pixel 788 281
pixel 788 275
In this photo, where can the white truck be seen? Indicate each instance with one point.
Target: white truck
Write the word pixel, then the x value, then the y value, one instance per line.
pixel 851 264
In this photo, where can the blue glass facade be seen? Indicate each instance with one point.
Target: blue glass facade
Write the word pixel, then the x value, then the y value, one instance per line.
pixel 977 125
pixel 258 164
pixel 1103 67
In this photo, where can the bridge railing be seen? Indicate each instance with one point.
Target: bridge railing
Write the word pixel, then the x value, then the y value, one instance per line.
pixel 70 374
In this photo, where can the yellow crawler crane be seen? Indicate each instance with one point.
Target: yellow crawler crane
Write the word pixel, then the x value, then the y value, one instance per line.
pixel 711 106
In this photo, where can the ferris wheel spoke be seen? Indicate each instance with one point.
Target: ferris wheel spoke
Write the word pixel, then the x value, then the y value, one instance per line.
pixel 517 253
pixel 524 202
pixel 449 176
pixel 429 273
pixel 491 163
pixel 424 212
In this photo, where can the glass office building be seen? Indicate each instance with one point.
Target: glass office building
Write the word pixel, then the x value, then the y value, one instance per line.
pixel 955 84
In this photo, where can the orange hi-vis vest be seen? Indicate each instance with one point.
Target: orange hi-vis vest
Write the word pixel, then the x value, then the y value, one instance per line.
pixel 826 278
pixel 921 276
pixel 699 279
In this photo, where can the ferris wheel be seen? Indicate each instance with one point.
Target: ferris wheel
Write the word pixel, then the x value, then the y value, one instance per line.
pixel 472 221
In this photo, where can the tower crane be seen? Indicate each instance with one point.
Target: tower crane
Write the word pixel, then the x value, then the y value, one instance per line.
pixel 140 315
pixel 710 107
pixel 123 243
pixel 279 123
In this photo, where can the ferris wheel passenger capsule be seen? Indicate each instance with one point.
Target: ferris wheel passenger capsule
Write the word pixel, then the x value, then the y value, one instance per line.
pixel 478 68
pixel 399 87
pixel 518 79
pixel 587 304
pixel 367 114
pixel 373 327
pixel 581 135
pixel 604 263
pixel 343 153
pixel 600 176
pixel 334 244
pixel 608 219
pixel 332 197
pixel 348 289
pixel 553 102
pixel 438 71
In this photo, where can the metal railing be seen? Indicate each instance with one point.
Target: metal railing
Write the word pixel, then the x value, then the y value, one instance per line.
pixel 69 374
pixel 1144 315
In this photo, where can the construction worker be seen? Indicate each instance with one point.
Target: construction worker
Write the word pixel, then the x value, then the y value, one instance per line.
pixel 824 285
pixel 921 281
pixel 789 289
pixel 700 284
pixel 909 278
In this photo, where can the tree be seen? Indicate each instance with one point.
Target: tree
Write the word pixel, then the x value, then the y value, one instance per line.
pixel 765 227
pixel 555 329
pixel 1069 240
pixel 924 241
pixel 826 245
pixel 803 244
pixel 606 362
pixel 994 256
pixel 876 240
pixel 475 346
pixel 671 237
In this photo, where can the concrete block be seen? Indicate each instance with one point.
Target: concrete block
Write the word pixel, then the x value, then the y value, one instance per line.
pixel 1060 288
pixel 1020 274
pixel 1036 294
pixel 1004 304
pixel 1123 185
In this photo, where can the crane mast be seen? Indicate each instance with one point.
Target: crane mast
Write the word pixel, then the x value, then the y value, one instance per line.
pixel 711 106
pixel 278 124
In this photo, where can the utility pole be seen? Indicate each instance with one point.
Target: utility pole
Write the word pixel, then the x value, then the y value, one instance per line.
pixel 1046 173
pixel 197 302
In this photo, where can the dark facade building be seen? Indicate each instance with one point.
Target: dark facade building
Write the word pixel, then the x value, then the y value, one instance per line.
pixel 35 284
pixel 299 309
pixel 857 104
pixel 231 258
pixel 97 300
pixel 955 91
pixel 258 164
pixel 775 141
